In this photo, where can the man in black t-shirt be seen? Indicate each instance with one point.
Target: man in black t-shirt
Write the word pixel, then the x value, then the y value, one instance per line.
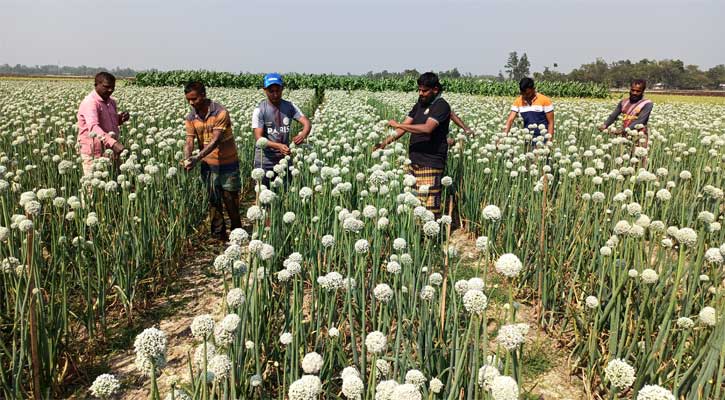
pixel 428 124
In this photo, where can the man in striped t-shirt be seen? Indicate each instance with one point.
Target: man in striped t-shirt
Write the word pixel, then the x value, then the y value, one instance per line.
pixel 635 109
pixel 209 125
pixel 535 109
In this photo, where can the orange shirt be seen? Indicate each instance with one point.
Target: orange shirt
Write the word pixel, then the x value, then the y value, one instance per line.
pixel 202 128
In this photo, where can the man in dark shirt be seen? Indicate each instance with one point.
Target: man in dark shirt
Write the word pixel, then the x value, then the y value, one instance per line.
pixel 427 124
pixel 636 110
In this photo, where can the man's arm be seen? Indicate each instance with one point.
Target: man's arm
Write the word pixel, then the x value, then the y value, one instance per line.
pixel 612 117
pixel 510 121
pixel 398 134
pixel 550 123
pixel 417 129
pixel 306 128
pixel 458 121
pixel 643 116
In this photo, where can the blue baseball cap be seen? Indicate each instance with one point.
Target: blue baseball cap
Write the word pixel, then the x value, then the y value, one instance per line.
pixel 273 79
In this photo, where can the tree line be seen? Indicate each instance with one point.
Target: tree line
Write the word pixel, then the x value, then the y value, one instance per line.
pixel 667 73
pixel 83 70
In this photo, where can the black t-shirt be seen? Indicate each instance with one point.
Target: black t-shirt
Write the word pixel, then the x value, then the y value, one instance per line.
pixel 430 150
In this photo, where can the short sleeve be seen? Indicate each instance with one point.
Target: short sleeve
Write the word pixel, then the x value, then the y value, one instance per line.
pixel 516 106
pixel 440 111
pixel 548 105
pixel 190 131
pixel 413 111
pixel 257 120
pixel 297 113
pixel 223 122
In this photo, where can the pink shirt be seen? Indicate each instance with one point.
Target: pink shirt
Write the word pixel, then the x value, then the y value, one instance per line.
pixel 100 117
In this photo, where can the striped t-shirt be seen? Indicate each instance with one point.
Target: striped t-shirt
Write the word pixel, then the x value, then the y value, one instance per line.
pixel 202 128
pixel 534 113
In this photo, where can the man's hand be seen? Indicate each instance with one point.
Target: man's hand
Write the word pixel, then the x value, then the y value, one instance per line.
pixel 299 139
pixel 281 148
pixel 393 124
pixel 602 128
pixel 117 148
pixel 468 131
pixel 123 117
pixel 451 141
pixel 191 162
pixel 381 145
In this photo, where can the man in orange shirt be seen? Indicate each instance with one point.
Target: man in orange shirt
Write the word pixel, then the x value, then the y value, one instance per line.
pixel 209 125
pixel 535 109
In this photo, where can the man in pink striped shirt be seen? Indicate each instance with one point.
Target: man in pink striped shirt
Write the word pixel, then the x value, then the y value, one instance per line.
pixel 98 122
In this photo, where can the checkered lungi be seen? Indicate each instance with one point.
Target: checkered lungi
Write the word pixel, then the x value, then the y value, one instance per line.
pixel 432 178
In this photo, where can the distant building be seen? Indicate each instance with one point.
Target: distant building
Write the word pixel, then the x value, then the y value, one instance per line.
pixel 658 85
pixel 721 86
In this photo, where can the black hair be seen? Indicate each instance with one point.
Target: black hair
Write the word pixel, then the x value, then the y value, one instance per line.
pixel 103 77
pixel 526 83
pixel 639 82
pixel 429 79
pixel 195 86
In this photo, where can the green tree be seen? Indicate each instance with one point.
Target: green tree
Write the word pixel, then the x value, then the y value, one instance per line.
pixel 512 65
pixel 523 68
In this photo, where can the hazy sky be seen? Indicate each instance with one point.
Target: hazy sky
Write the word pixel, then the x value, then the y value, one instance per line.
pixel 346 36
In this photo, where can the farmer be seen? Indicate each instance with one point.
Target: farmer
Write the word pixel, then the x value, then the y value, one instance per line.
pixel 427 124
pixel 210 126
pixel 272 120
pixel 535 109
pixel 98 123
pixel 636 110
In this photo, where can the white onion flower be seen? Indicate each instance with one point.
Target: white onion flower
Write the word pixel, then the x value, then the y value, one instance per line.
pixel 685 323
pixel 482 243
pixel 105 386
pixel 219 367
pixel 406 391
pixel 312 363
pixel 486 374
pixel 383 293
pixel 352 387
pixel 619 373
pixel 510 337
pixel 384 390
pixel 362 246
pixel 415 377
pixel 491 213
pixel 509 265
pixel 431 228
pixel 202 326
pixel 649 276
pixel 504 388
pixel 654 392
pixel 376 342
pixel 708 316
pixel 475 301
pixel 592 302
pixel 427 293
pixel 306 388
pixel 235 297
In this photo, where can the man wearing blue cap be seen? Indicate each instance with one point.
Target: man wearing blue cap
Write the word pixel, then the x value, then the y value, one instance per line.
pixel 272 120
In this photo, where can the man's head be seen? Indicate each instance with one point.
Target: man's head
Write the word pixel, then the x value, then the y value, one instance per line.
pixel 195 93
pixel 273 86
pixel 636 90
pixel 105 85
pixel 428 87
pixel 527 89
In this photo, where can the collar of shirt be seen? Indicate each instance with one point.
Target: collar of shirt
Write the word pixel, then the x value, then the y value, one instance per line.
pixel 532 100
pixel 97 97
pixel 209 111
